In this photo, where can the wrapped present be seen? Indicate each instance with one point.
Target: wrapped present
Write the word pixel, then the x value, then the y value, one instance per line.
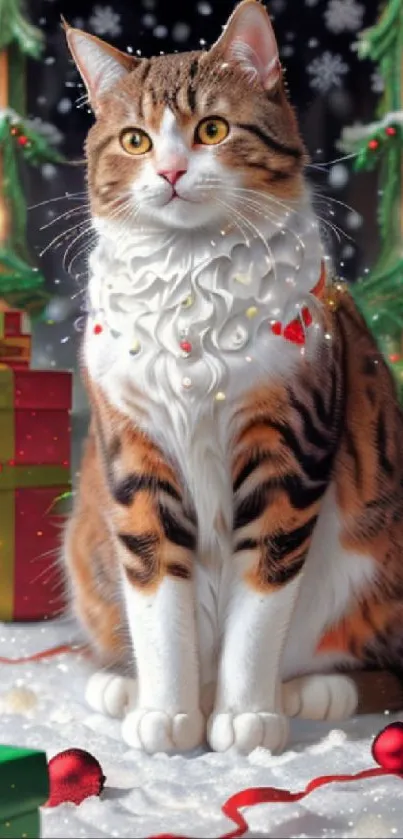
pixel 15 338
pixel 24 787
pixel 34 472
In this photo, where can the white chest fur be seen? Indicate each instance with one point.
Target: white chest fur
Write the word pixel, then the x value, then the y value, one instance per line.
pixel 186 319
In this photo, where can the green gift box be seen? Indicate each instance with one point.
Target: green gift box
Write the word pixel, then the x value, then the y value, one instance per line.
pixel 24 787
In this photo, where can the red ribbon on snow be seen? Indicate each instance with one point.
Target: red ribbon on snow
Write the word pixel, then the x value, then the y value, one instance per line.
pixel 273 795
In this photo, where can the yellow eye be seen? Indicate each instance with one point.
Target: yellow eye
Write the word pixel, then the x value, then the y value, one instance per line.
pixel 211 131
pixel 135 141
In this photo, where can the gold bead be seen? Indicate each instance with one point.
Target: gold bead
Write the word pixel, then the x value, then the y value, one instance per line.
pixel 251 312
pixel 187 302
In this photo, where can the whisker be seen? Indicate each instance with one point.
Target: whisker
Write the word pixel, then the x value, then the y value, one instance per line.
pixel 69 195
pixel 63 234
pixel 67 214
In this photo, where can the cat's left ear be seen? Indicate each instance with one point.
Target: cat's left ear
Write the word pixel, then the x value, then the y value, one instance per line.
pixel 249 40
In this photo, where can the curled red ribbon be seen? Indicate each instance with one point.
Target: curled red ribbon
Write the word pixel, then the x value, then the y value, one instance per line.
pixel 273 795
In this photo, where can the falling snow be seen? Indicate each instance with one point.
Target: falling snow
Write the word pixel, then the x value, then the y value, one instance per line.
pixel 344 15
pixel 327 71
pixel 49 131
pixel 180 32
pixel 104 21
pixel 377 82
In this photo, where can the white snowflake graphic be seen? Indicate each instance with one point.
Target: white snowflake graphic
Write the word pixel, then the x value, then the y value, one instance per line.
pixel 344 15
pixel 327 71
pixel 49 131
pixel 104 21
pixel 377 82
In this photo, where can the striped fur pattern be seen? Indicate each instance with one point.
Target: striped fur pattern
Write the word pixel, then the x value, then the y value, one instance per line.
pixel 300 577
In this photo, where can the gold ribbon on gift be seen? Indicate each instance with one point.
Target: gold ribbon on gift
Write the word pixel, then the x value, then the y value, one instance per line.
pixel 7 424
pixel 12 478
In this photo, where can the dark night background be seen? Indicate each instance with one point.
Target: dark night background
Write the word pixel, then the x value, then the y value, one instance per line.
pixel 329 86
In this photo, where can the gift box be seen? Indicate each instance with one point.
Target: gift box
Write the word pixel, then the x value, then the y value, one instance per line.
pixel 24 787
pixel 34 473
pixel 15 338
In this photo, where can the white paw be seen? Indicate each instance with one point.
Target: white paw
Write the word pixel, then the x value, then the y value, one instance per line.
pixel 247 731
pixel 110 694
pixel 322 697
pixel 159 731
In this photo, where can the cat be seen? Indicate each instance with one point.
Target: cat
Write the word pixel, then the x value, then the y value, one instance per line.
pixel 237 529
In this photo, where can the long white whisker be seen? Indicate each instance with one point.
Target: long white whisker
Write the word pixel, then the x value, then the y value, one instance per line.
pixel 63 234
pixel 67 214
pixel 77 196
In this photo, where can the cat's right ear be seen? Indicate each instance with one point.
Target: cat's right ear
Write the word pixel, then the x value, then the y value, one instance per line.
pixel 100 65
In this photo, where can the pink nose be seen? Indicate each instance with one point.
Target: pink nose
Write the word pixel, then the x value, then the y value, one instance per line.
pixel 172 175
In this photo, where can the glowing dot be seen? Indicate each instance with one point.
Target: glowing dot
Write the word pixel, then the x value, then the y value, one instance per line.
pixel 220 396
pixel 135 348
pixel 39 532
pixel 186 383
pixel 97 329
pixel 251 312
pixel 248 358
pixel 373 144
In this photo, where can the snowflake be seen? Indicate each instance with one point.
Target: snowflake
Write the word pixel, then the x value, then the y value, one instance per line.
pixel 377 82
pixel 327 71
pixel 46 129
pixel 104 21
pixel 342 15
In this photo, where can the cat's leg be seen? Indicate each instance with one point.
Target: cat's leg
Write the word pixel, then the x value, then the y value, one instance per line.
pixel 92 570
pixel 320 696
pixel 155 540
pixel 281 470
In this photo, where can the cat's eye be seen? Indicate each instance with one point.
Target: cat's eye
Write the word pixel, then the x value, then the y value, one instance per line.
pixel 135 141
pixel 211 131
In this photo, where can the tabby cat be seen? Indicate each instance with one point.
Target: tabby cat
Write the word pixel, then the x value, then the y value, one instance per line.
pixel 237 533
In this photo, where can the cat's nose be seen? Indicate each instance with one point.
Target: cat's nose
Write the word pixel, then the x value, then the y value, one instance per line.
pixel 172 175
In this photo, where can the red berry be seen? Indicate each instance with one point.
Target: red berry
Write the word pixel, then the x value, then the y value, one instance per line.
pixel 387 748
pixel 186 346
pixel 97 329
pixel 22 140
pixel 294 332
pixel 390 131
pixel 373 144
pixel 73 776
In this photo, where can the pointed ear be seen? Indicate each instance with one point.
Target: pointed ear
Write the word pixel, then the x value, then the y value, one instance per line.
pixel 249 40
pixel 100 65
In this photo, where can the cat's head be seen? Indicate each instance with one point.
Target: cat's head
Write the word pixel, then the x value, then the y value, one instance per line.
pixel 190 140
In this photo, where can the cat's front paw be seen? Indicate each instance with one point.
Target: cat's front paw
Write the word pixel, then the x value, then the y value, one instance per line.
pixel 110 694
pixel 320 697
pixel 247 731
pixel 159 731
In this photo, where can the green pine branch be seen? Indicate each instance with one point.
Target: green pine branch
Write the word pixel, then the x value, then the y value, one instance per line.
pixel 15 29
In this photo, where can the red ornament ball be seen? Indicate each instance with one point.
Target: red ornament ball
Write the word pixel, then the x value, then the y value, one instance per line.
pixel 186 347
pixel 390 131
pixel 73 776
pixel 373 144
pixel 23 140
pixel 387 748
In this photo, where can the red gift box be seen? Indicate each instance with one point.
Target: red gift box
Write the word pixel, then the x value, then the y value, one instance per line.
pixel 34 472
pixel 15 338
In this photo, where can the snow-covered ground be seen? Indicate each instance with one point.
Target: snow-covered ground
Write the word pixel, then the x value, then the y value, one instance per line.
pixel 145 796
